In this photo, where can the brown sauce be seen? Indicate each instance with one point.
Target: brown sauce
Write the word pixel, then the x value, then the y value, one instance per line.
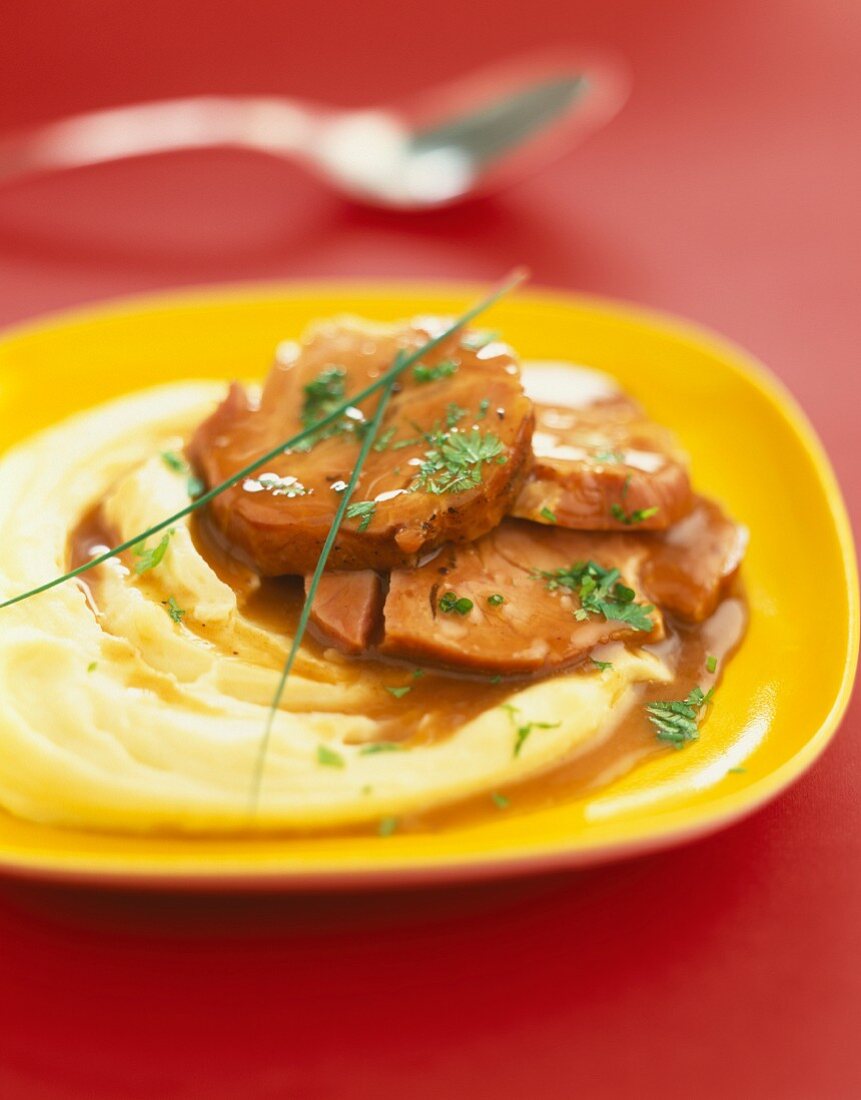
pixel 438 702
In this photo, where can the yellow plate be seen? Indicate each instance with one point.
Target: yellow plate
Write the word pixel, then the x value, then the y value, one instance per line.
pixel 781 697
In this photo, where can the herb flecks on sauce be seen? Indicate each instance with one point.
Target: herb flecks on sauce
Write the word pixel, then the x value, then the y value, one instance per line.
pixel 374 747
pixel 522 730
pixel 176 613
pixel 454 413
pixel 600 592
pixel 445 369
pixel 176 463
pixel 399 692
pixel 451 602
pixel 384 440
pixel 149 558
pixel 454 460
pixel 630 519
pixel 323 396
pixel 363 510
pixel 328 758
pixel 676 721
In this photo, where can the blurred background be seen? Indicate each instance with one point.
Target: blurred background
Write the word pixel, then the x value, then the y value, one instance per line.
pixel 726 191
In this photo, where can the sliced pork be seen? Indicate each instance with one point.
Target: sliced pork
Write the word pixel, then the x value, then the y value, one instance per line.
pixel 450 455
pixel 347 609
pixel 599 462
pixel 512 602
pixel 506 603
pixel 689 567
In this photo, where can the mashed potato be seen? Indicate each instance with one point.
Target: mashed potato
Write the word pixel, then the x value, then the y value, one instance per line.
pixel 115 716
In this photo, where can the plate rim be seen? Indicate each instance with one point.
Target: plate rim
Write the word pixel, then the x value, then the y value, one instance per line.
pixel 725 811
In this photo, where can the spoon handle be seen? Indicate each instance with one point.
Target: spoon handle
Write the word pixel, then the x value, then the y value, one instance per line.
pixel 278 126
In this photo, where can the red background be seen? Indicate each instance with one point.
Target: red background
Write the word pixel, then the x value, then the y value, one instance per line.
pixel 726 191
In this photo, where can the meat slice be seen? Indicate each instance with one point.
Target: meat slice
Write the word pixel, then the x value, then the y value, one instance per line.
pixel 537 625
pixel 450 456
pixel 600 463
pixel 688 568
pixel 684 571
pixel 347 608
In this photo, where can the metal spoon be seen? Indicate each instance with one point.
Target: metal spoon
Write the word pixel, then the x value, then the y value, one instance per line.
pixel 468 137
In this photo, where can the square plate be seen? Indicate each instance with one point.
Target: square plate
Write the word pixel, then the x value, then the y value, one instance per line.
pixel 780 699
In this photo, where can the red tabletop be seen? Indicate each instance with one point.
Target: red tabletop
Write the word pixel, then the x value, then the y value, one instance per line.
pixel 727 191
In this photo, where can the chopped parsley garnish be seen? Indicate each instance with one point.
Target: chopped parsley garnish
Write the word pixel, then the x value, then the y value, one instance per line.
pixel 418 672
pixel 445 369
pixel 630 519
pixel 453 463
pixel 387 826
pixel 374 747
pixel 150 558
pixel 711 664
pixel 483 406
pixel 500 801
pixel 323 394
pixel 600 593
pixel 497 679
pixel 602 666
pixel 737 771
pixel 475 341
pixel 363 510
pixel 174 462
pixel 398 692
pixel 194 486
pixel 454 413
pixel 450 601
pixel 174 610
pixel 676 721
pixel 496 600
pixel 384 440
pixel 92 666
pixel 523 729
pixel 321 397
pixel 545 513
pixel 329 758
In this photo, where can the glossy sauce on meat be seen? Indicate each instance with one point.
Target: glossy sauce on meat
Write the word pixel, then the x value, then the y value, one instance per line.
pixel 277 520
